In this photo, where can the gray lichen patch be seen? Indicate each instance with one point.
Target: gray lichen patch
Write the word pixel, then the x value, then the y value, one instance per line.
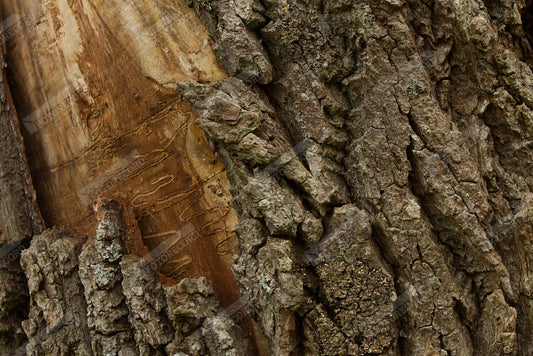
pixel 103 275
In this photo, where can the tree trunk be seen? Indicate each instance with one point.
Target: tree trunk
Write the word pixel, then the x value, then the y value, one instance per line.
pixel 327 178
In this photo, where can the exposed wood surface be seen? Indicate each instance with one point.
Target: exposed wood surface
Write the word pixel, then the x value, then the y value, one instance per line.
pixel 94 83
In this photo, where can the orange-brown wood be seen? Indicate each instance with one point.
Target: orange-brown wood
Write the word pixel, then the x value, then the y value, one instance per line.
pixel 94 85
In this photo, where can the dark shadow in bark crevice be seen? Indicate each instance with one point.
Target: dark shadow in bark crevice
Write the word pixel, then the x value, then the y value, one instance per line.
pixel 527 20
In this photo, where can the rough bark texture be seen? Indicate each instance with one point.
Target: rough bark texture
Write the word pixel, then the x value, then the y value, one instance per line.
pixel 421 110
pixel 109 303
pixel 20 218
pixel 379 157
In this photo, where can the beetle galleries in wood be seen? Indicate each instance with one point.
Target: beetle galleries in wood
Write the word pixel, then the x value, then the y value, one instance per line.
pixel 101 119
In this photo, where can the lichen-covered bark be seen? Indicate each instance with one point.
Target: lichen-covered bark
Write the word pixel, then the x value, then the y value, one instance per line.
pixel 96 300
pixel 57 318
pixel 379 155
pixel 382 173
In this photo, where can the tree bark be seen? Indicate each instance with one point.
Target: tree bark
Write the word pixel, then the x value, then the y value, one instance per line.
pixel 20 218
pixel 328 177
